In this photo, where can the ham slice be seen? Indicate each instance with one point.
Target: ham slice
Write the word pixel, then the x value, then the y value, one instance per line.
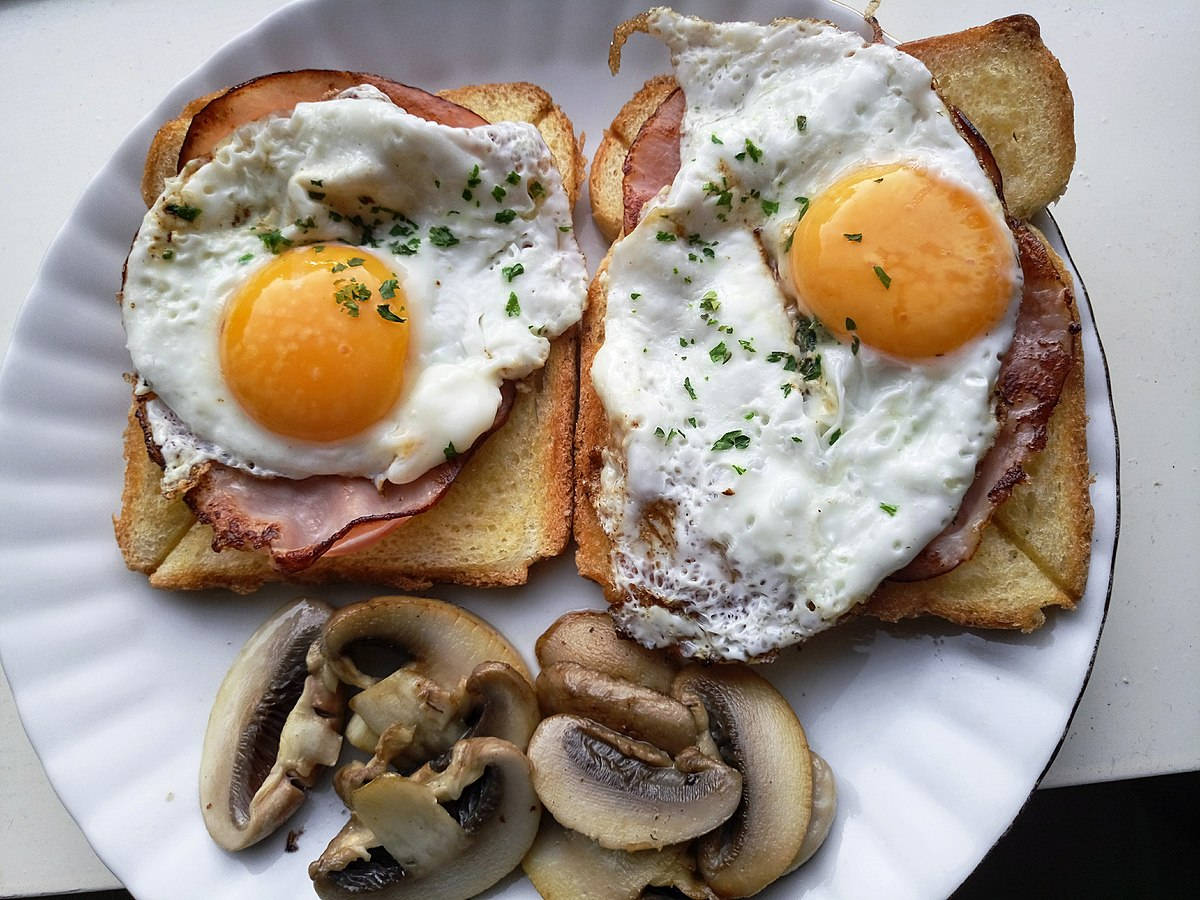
pixel 279 92
pixel 298 520
pixel 1032 373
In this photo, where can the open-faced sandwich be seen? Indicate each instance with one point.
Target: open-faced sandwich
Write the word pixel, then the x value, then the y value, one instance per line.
pixel 351 311
pixel 828 366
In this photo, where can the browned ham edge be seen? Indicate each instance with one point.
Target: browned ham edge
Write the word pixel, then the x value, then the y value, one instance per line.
pixel 1032 373
pixel 279 92
pixel 297 520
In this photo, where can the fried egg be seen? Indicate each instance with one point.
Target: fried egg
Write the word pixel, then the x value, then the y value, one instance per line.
pixel 802 339
pixel 344 289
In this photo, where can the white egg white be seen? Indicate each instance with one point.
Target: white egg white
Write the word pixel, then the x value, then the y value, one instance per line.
pixel 764 477
pixel 356 170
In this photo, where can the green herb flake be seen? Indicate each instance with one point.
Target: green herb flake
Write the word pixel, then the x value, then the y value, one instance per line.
pixel 787 389
pixel 748 346
pixel 183 211
pixel 664 236
pixel 710 302
pixel 801 123
pixel 355 261
pixel 739 469
pixel 770 207
pixel 450 452
pixel 720 354
pixel 513 308
pixel 274 240
pixel 715 139
pixel 498 193
pixel 787 245
pixel 564 228
pixel 731 440
pixel 856 238
pixel 511 272
pixel 407 248
pixel 851 325
pixel 797 440
pixel 386 313
pixel 168 254
pixel 687 386
pixel 833 438
pixel 634 295
pixel 387 290
pixel 535 189
pixel 692 421
pixel 854 344
pixel 888 508
pixel 513 178
pixel 350 295
pixel 884 278
pixel 751 150
pixel 441 236
pixel 466 194
pixel 473 180
pixel 338 267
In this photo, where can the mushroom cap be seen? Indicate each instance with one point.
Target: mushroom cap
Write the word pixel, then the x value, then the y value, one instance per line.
pixel 448 832
pixel 588 637
pixel 275 723
pixel 754 730
pixel 567 865
pixel 441 641
pixel 624 793
pixel 620 704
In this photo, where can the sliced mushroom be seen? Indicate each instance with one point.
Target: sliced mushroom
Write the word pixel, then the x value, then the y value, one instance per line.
pixel 588 637
pixel 824 808
pixel 276 722
pixel 624 793
pixel 425 720
pixel 447 832
pixel 639 712
pixel 566 865
pixel 440 644
pixel 752 728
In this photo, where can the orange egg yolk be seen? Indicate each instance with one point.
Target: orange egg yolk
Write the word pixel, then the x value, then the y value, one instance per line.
pixel 313 344
pixel 905 261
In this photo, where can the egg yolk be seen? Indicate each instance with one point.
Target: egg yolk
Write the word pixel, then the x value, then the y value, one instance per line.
pixel 313 344
pixel 905 261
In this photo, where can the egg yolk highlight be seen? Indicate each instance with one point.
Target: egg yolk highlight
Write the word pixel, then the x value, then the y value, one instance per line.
pixel 313 344
pixel 905 261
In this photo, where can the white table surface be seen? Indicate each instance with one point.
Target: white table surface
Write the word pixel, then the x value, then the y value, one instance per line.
pixel 79 75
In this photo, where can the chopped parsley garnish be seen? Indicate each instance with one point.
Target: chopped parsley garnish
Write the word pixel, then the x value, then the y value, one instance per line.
pixel 787 245
pixel 513 308
pixel 355 261
pixel 770 207
pixel 535 189
pixel 833 438
pixel 564 228
pixel 666 435
pixel 851 325
pixel 385 312
pixel 183 211
pixel 803 202
pixel 801 122
pixel 441 236
pixel 505 216
pixel 888 508
pixel 274 240
pixel 856 238
pixel 664 236
pixel 403 228
pixel 350 295
pixel 407 248
pixel 634 295
pixel 748 346
pixel 787 389
pixel 720 354
pixel 466 194
pixel 716 140
pixel 339 267
pixel 305 224
pixel 511 272
pixel 498 193
pixel 751 150
pixel 710 302
pixel 797 439
pixel 245 257
pixel 738 469
pixel 168 254
pixel 473 180
pixel 884 278
pixel 687 386
pixel 513 178
pixel 692 421
pixel 732 439
pixel 387 290
pixel 450 452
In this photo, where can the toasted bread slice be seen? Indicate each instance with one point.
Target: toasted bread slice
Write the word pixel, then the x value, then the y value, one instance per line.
pixel 510 506
pixel 1035 552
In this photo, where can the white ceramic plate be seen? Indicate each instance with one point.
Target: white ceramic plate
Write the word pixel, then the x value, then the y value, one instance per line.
pixel 937 735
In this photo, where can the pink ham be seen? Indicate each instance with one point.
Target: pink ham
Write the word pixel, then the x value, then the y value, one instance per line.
pixel 1032 373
